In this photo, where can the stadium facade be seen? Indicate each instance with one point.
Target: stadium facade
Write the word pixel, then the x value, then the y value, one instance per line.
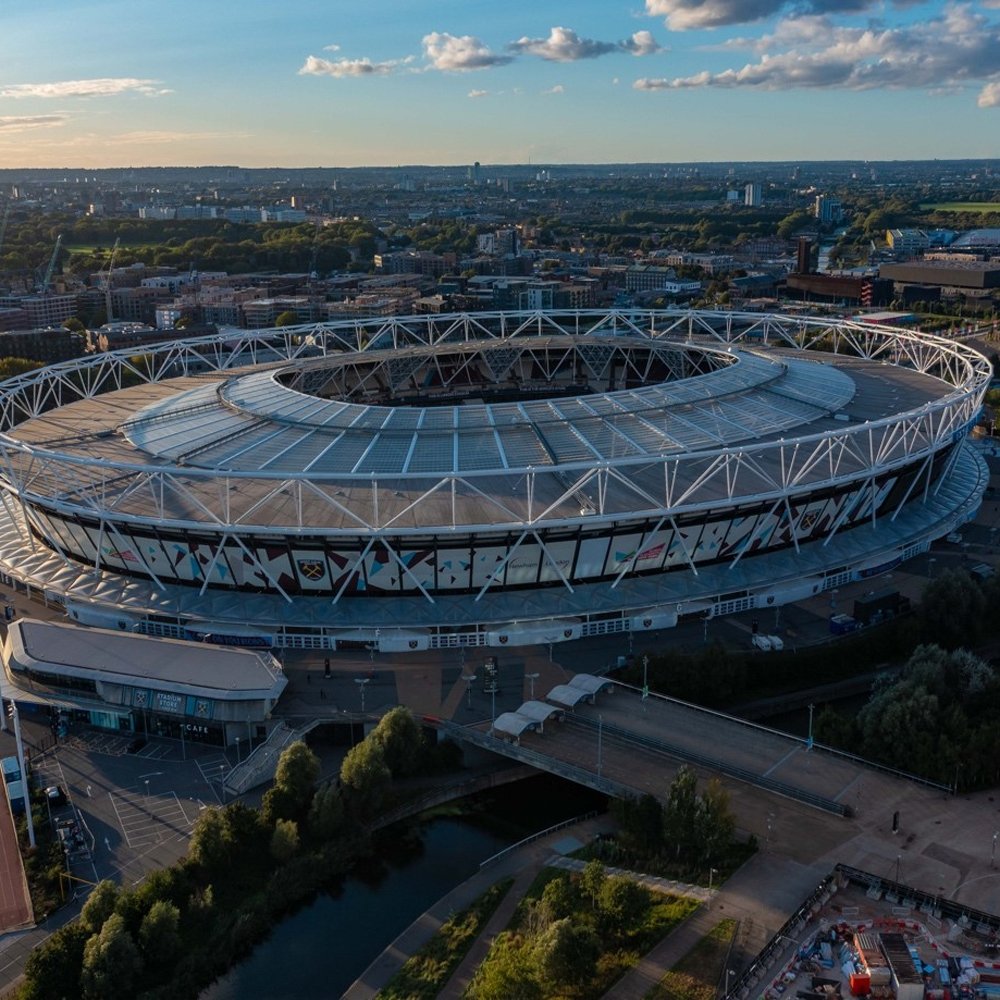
pixel 487 479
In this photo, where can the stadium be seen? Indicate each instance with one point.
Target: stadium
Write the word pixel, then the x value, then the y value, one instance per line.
pixel 483 479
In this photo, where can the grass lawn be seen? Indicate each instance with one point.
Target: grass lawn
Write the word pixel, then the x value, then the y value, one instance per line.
pixel 962 206
pixel 697 974
pixel 424 974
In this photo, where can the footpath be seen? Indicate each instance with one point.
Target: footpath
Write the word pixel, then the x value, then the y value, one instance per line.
pixel 523 864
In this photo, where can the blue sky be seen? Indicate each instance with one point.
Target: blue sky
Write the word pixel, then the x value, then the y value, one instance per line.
pixel 297 83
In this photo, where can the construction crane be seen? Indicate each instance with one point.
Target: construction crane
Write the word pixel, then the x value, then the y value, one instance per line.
pixel 107 280
pixel 50 270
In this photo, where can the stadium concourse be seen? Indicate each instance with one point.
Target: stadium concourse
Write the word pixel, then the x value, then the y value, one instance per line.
pixel 483 480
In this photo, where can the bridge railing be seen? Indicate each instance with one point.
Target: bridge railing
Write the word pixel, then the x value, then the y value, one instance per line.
pixel 612 731
pixel 580 775
pixel 536 836
pixel 822 747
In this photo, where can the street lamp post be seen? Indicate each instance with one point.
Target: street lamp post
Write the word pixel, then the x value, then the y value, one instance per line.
pixel 147 787
pixel 899 857
pixel 600 741
pixel 469 679
pixel 809 741
pixel 239 759
pixel 729 972
pixel 993 852
pixel 645 676
pixel 15 715
pixel 361 682
pixel 531 678
pixel 711 872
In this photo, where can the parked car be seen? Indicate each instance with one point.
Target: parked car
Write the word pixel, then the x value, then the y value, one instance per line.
pixel 762 642
pixel 777 644
pixel 55 795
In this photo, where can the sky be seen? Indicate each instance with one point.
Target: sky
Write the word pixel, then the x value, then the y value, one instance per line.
pixel 103 83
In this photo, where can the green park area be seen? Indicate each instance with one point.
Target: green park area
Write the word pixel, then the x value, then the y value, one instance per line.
pixel 974 207
pixel 698 974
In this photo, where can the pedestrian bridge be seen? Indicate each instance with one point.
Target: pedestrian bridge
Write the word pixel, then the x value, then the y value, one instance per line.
pixel 620 743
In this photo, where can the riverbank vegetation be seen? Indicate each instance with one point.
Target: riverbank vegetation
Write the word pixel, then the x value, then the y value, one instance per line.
pixel 425 973
pixel 245 870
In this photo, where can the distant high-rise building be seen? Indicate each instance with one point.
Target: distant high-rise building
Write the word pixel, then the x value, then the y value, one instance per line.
pixel 804 256
pixel 753 195
pixel 827 210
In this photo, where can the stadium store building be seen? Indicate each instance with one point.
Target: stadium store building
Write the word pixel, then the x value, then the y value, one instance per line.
pixel 133 684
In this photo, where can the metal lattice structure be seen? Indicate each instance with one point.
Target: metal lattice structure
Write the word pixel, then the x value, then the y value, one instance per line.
pixel 424 475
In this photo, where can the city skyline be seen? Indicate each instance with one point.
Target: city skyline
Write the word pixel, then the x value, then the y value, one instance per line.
pixel 409 83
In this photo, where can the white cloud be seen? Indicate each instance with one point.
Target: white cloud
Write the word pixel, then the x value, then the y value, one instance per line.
pixel 565 45
pixel 340 68
pixel 557 89
pixel 958 48
pixel 642 43
pixel 160 137
pixel 989 96
pixel 103 87
pixel 682 15
pixel 331 48
pixel 478 93
pixel 460 53
pixel 24 123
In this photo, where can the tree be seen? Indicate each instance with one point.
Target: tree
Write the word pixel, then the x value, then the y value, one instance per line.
pixel 560 896
pixel 622 902
pixel 401 741
pixel 365 776
pixel 284 840
pixel 953 610
pixel 287 318
pixel 111 962
pixel 326 814
pixel 11 367
pixel 641 820
pixel 716 823
pixel 100 905
pixel 592 880
pixel 567 953
pixel 210 844
pixel 74 325
pixel 277 804
pixel 297 771
pixel 158 933
pixel 54 970
pixel 681 813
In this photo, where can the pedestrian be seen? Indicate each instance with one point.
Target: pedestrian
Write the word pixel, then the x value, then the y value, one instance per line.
pixel 88 791
pixel 322 695
pixel 326 667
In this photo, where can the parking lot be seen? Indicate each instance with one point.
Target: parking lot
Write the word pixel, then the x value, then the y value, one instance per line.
pixel 147 819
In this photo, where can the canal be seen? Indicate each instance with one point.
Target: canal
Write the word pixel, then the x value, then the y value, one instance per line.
pixel 322 948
